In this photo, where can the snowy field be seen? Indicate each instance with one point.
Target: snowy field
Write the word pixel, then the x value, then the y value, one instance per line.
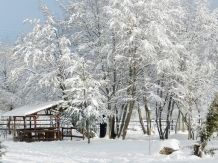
pixel 132 150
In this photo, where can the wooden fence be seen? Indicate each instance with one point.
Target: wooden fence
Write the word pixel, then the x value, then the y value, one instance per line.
pixel 71 132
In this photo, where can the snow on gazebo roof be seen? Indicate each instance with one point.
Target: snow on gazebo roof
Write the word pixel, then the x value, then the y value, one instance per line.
pixel 30 109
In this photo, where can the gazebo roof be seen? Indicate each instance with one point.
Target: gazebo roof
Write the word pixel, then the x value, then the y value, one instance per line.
pixel 31 109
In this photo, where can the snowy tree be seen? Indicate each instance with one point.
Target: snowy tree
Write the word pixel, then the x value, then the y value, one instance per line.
pixel 88 31
pixel 209 127
pixel 198 37
pixel 144 34
pixel 85 103
pixel 152 54
pixel 185 73
pixel 7 91
pixel 45 59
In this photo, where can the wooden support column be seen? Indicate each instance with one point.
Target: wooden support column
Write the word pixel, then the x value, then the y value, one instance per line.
pixel 24 128
pixel 24 123
pixel 34 118
pixel 14 126
pixel 71 134
pixel 58 127
pixel 30 123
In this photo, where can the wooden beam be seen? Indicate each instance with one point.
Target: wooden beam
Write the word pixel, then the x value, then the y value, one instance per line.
pixel 32 115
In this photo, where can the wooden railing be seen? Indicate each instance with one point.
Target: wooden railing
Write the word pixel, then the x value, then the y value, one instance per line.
pixel 68 132
pixel 38 134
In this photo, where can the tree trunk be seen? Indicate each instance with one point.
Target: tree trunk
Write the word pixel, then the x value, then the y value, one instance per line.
pixel 190 132
pixel 148 116
pixel 112 124
pixel 177 123
pixel 168 119
pixel 131 91
pixel 160 125
pixel 131 106
pixel 110 127
pixel 87 131
pixel 118 118
pixel 123 120
pixel 110 119
pixel 141 119
pixel 159 110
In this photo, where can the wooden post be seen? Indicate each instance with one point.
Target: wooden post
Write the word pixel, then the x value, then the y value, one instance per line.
pixel 34 118
pixel 24 128
pixel 71 134
pixel 62 131
pixel 58 127
pixel 83 133
pixel 24 123
pixel 14 127
pixel 30 123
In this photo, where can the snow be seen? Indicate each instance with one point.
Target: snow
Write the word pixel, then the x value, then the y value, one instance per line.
pixel 30 109
pixel 135 149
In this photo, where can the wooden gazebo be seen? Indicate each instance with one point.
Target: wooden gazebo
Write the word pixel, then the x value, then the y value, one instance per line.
pixel 27 122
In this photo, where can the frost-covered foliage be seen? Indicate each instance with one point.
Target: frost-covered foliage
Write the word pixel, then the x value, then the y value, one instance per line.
pixel 45 60
pixel 8 98
pixel 196 68
pixel 140 40
pixel 84 107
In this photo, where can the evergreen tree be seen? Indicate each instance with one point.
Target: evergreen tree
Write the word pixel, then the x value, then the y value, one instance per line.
pixel 209 126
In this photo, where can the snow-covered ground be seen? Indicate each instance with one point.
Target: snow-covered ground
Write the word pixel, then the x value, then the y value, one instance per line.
pixel 135 149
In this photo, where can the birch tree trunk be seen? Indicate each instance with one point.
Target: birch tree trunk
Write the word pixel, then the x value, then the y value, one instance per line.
pixel 133 76
pixel 168 119
pixel 148 116
pixel 123 120
pixel 177 127
pixel 141 119
pixel 159 110
pixel 190 131
pixel 131 107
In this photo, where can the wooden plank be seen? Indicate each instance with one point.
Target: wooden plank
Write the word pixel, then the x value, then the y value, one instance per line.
pixel 40 139
pixel 41 115
pixel 73 136
pixel 37 131
pixel 69 128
